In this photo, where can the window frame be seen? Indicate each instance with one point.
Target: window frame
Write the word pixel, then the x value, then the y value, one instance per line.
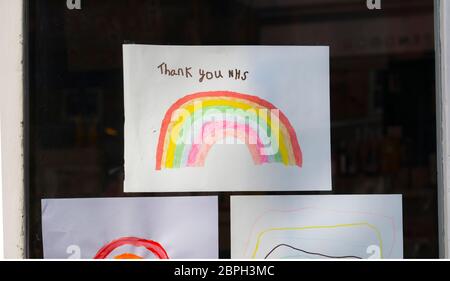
pixel 13 125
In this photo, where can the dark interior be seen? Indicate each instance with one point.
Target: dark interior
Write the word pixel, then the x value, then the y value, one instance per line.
pixel 382 95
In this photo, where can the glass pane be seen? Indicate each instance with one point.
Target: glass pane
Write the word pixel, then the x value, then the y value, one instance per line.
pixel 382 94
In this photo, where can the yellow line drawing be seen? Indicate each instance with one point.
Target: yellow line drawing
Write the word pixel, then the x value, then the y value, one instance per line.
pixel 262 233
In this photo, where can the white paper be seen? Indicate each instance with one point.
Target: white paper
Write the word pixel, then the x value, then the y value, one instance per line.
pixel 316 226
pixel 184 227
pixel 294 79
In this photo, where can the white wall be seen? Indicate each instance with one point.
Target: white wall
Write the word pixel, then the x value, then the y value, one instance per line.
pixel 11 110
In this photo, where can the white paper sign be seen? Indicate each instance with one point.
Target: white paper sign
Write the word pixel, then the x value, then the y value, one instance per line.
pixel 131 228
pixel 226 118
pixel 317 226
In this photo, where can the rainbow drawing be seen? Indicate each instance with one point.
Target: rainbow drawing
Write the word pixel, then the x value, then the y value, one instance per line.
pixel 194 123
pixel 154 247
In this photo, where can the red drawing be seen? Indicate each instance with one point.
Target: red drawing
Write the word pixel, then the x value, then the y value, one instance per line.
pixel 150 245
